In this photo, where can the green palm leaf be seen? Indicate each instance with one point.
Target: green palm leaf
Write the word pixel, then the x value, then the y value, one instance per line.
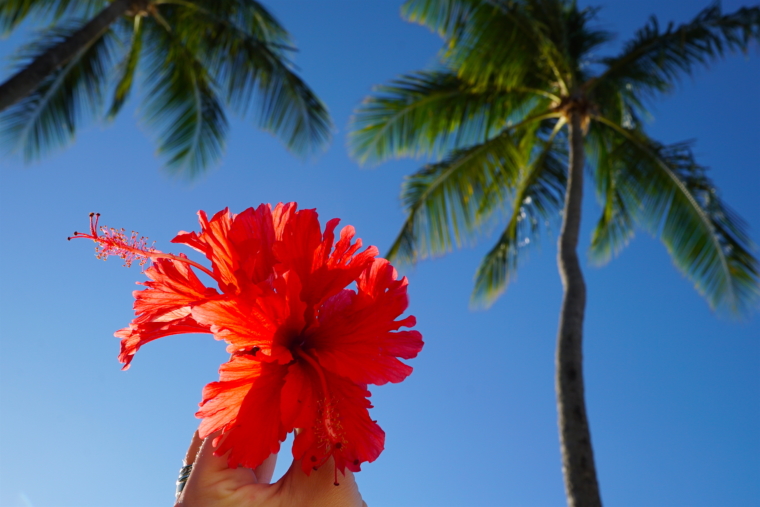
pixel 616 226
pixel 47 118
pixel 675 199
pixel 249 61
pixel 654 60
pixel 537 199
pixel 126 68
pixel 430 112
pixel 443 199
pixel 183 105
pixel 197 56
pixel 445 17
pixel 500 45
pixel 474 28
pixel 13 12
pixel 251 16
pixel 448 202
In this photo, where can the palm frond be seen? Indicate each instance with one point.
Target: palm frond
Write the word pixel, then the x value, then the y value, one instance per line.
pixel 443 199
pixel 570 29
pixel 448 202
pixel 249 14
pixel 444 17
pixel 13 12
pixel 620 104
pixel 429 113
pixel 616 226
pixel 182 105
pixel 538 198
pixel 48 117
pixel 502 45
pixel 707 240
pixel 655 59
pixel 250 64
pixel 126 68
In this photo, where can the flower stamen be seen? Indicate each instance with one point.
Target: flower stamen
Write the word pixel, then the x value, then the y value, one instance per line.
pixel 115 242
pixel 327 408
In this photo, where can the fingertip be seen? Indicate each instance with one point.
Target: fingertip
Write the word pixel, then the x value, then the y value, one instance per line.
pixel 265 471
pixel 193 450
pixel 205 457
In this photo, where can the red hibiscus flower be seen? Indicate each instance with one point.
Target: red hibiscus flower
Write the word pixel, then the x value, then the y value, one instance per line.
pixel 304 346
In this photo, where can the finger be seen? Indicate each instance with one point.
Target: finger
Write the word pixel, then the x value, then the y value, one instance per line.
pixel 212 482
pixel 209 466
pixel 265 471
pixel 190 455
pixel 192 451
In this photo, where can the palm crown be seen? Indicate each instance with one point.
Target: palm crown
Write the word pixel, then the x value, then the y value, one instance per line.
pixel 194 57
pixel 512 74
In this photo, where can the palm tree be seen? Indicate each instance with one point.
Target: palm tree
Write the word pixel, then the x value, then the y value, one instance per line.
pixel 516 111
pixel 195 57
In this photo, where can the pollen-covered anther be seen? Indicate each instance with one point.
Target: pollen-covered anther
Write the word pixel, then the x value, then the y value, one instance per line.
pixel 111 241
pixel 115 242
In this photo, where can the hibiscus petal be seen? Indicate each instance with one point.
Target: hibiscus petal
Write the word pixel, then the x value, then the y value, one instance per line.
pixel 301 236
pixel 298 403
pixel 214 243
pixel 135 336
pixel 246 324
pixel 245 405
pixel 357 335
pixel 340 269
pixel 252 235
pixel 323 271
pixel 281 215
pixel 342 429
pixel 175 286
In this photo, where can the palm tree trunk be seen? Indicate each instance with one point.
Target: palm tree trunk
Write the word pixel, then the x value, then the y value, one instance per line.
pixel 578 467
pixel 30 77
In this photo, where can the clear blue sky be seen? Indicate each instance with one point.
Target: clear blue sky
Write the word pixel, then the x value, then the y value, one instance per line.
pixel 673 390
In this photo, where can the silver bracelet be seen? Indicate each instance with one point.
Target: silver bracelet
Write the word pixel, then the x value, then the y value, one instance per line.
pixel 184 473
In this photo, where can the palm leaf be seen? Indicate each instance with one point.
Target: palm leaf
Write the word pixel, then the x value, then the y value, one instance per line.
pixel 249 61
pixel 48 117
pixel 444 17
pixel 654 60
pixel 707 240
pixel 13 12
pixel 183 105
pixel 249 14
pixel 502 45
pixel 126 68
pixel 616 225
pixel 575 41
pixel 429 113
pixel 446 201
pixel 489 43
pixel 442 199
pixel 538 198
pixel 620 104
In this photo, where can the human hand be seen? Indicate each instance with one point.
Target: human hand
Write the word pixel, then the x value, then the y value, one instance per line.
pixel 213 484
